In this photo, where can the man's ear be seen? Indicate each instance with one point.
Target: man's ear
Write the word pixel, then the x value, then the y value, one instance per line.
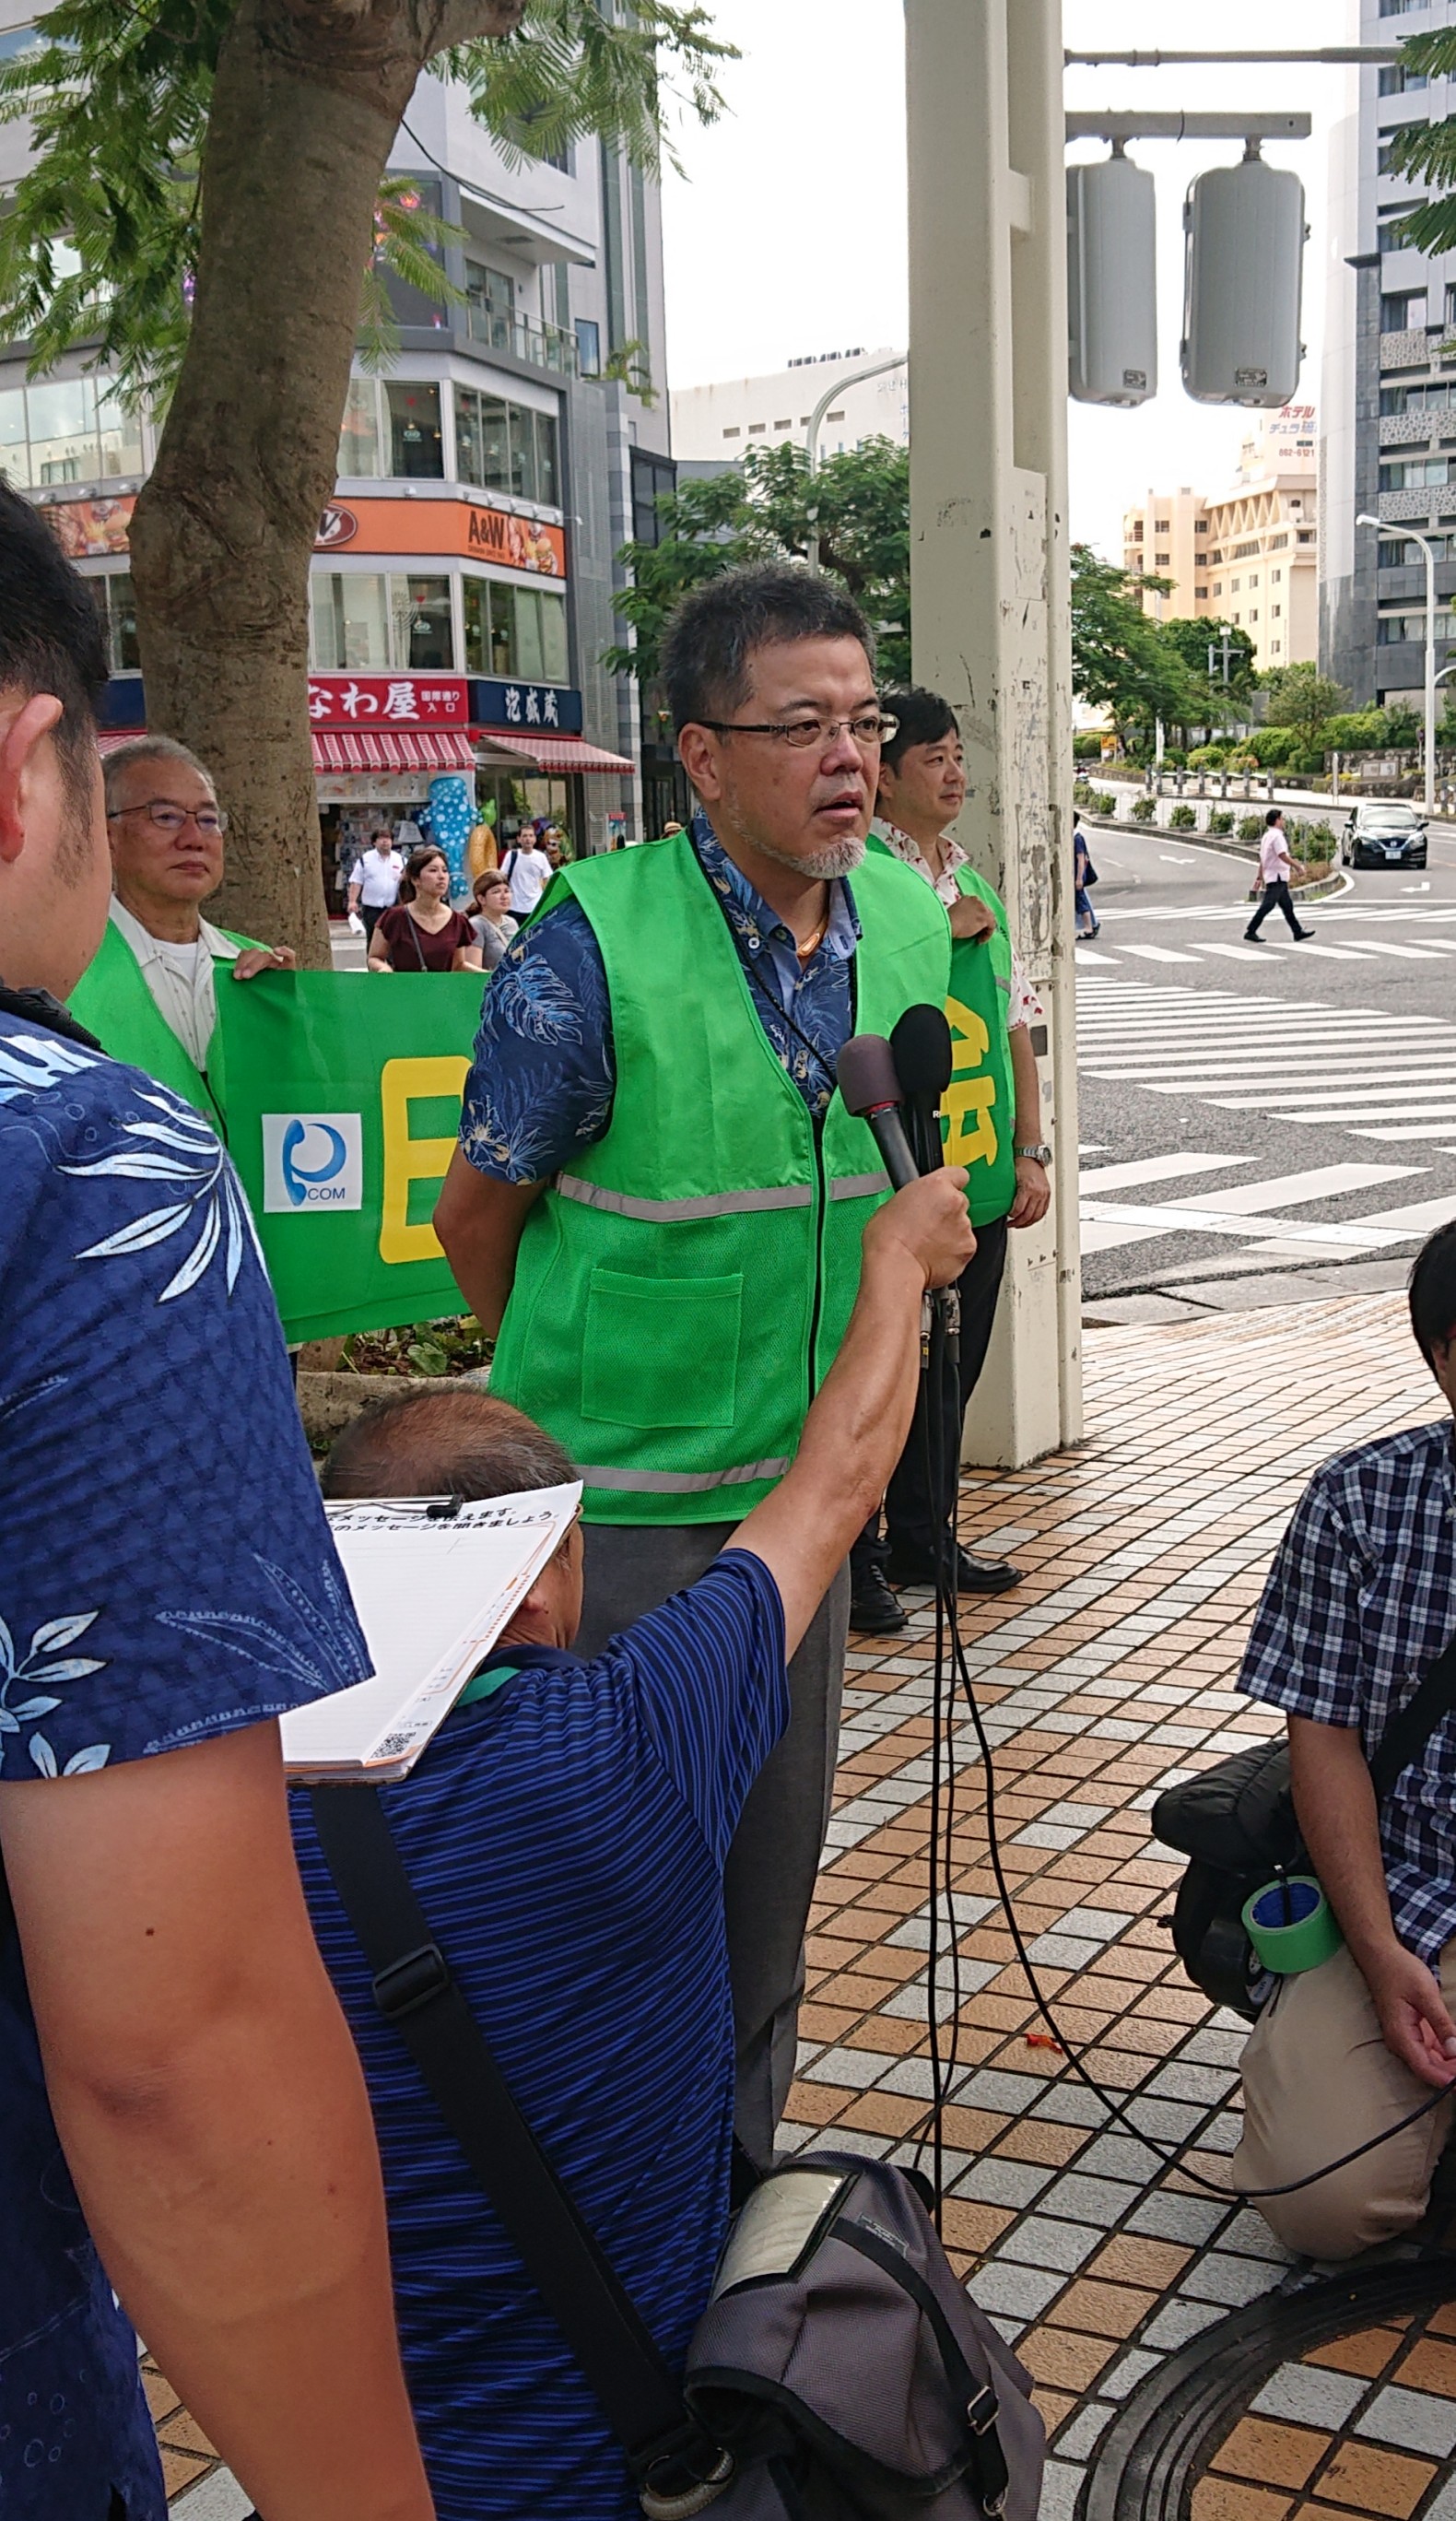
pixel 699 753
pixel 20 736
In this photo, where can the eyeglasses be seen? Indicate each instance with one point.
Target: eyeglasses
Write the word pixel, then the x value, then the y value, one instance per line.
pixel 868 730
pixel 211 820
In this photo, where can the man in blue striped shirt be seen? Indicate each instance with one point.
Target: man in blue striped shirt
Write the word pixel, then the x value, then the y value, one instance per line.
pixel 566 1833
pixel 1360 1601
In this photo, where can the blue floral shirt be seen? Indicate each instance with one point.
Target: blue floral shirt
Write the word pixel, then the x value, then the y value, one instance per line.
pixel 544 1075
pixel 168 1576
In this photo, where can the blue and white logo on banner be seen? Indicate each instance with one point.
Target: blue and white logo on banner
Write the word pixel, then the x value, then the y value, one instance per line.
pixel 312 1159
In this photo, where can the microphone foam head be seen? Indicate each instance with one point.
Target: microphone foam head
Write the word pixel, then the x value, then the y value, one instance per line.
pixel 921 1049
pixel 866 1072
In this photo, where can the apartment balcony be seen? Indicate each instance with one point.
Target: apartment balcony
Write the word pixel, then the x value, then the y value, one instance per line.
pixel 1414 349
pixel 522 337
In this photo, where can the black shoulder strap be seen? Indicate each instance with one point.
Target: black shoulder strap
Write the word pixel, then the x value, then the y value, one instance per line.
pixel 1409 1731
pixel 416 1993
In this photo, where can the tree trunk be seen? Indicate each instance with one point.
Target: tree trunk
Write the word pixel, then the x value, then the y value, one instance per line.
pixel 307 99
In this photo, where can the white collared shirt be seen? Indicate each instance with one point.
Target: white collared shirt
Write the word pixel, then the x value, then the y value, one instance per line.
pixel 1025 1006
pixel 180 978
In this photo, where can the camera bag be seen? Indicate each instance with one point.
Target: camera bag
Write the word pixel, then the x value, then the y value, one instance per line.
pixel 1236 1824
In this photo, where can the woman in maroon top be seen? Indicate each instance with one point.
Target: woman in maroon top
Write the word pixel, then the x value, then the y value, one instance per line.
pixel 421 933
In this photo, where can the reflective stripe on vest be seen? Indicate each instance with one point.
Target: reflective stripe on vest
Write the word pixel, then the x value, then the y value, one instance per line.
pixel 680 1483
pixel 681 1211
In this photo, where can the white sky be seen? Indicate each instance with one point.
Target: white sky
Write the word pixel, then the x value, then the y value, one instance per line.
pixel 789 236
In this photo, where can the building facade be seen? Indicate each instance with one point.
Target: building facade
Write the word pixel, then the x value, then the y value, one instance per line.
pixel 1389 386
pixel 1249 556
pixel 719 423
pixel 485 486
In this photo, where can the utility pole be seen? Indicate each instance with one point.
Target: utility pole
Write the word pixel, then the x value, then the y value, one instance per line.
pixel 1408 535
pixel 991 585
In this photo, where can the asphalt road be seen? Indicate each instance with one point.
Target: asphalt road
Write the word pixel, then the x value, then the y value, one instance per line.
pixel 1261 1123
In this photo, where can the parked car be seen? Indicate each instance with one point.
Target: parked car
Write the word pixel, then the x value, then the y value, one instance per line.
pixel 1381 834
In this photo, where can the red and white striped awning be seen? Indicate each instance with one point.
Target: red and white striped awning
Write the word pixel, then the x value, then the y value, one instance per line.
pixel 109 741
pixel 558 752
pixel 393 748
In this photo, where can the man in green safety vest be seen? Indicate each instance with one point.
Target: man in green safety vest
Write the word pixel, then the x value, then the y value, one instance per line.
pixel 150 993
pixel 992 1121
pixel 659 1195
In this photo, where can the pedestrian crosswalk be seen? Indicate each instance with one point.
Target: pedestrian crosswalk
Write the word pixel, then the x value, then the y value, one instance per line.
pixel 1109 954
pixel 1363 1073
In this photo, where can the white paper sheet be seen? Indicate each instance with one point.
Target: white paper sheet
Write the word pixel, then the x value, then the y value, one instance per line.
pixel 433 1594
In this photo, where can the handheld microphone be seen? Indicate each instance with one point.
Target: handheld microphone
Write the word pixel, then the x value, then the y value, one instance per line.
pixel 871 1089
pixel 921 1045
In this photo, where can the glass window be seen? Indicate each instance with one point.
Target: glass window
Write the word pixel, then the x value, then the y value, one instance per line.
pixel 548 485
pixel 126 654
pixel 522 452
pixel 468 462
pixel 589 346
pixel 495 444
pixel 119 432
pixel 552 637
pixel 350 629
pixel 63 432
pixel 417 441
pixel 528 661
pixel 359 435
pixel 15 451
pixel 420 609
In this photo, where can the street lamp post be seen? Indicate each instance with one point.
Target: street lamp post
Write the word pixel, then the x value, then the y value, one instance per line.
pixel 861 376
pixel 1407 533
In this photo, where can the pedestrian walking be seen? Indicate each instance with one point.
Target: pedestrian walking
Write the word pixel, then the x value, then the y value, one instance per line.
pixel 1084 876
pixel 374 884
pixel 527 871
pixel 421 933
pixel 1275 868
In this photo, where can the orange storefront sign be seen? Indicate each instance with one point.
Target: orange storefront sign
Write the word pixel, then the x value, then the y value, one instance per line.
pixel 456 527
pixel 90 528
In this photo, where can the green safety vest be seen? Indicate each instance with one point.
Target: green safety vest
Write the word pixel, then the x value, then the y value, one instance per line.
pixel 681 1292
pixel 111 999
pixel 978 1116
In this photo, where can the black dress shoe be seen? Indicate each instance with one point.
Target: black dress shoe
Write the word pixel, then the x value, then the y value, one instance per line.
pixel 973 1575
pixel 1302 935
pixel 872 1608
pixel 1251 938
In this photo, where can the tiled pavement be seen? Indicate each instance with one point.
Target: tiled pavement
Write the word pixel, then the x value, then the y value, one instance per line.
pixel 1105 1675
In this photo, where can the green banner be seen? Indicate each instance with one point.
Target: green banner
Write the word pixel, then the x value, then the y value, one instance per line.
pixel 343 1105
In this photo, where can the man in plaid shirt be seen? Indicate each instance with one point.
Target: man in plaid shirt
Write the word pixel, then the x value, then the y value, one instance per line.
pixel 1360 1601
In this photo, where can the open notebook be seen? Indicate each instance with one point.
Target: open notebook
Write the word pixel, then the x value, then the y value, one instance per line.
pixel 434 1593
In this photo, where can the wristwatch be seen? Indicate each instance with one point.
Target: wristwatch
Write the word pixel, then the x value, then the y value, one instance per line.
pixel 1041 1154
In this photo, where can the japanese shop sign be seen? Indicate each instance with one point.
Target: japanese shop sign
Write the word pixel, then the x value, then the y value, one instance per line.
pixel 464 528
pixel 517 705
pixel 388 700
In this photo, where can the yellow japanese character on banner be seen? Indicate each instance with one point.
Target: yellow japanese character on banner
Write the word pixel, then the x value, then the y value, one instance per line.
pixel 969 1099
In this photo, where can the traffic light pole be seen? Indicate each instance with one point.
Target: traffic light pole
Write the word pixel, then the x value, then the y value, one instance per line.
pixel 990 584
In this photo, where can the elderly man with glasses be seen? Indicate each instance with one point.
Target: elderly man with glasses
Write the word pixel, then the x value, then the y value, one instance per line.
pixel 659 1195
pixel 150 996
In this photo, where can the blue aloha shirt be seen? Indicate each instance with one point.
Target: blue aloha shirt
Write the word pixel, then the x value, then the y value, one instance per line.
pixel 168 1576
pixel 541 1086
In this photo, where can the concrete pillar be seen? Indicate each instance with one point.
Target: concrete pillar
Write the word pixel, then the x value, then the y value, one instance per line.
pixel 990 584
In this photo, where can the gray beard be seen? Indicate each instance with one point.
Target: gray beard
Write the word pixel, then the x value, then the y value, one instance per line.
pixel 841 857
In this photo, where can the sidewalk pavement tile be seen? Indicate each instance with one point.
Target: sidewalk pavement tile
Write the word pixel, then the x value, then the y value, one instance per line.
pixel 1104 1676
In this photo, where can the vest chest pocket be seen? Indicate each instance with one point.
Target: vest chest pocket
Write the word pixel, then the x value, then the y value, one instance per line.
pixel 661 1352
